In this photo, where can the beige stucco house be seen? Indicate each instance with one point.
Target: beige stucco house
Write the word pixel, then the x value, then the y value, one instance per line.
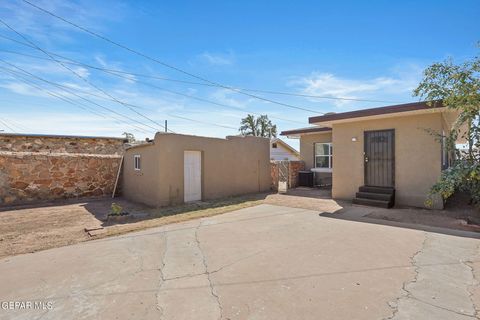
pixel 380 156
pixel 174 168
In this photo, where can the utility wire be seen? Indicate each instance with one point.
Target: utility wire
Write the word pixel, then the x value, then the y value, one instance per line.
pixel 70 92
pixel 203 122
pixel 125 104
pixel 135 74
pixel 7 126
pixel 80 76
pixel 17 124
pixel 65 99
pixel 166 64
pixel 19 76
pixel 73 103
pixel 118 74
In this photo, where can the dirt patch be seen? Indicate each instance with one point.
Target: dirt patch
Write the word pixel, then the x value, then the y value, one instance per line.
pixel 25 229
pixel 451 217
pixel 38 227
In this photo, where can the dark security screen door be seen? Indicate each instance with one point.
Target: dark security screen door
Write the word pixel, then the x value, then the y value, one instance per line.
pixel 379 158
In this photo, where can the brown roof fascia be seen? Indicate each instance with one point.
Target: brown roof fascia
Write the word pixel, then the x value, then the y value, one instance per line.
pixel 377 111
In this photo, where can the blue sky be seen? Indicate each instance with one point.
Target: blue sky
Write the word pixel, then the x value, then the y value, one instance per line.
pixel 372 50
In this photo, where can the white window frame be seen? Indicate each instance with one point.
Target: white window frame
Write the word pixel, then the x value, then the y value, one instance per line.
pixel 330 158
pixel 137 166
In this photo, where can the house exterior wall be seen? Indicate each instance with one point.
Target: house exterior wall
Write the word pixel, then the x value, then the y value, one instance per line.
pixel 307 145
pixel 231 166
pixel 417 156
pixel 282 153
pixel 43 168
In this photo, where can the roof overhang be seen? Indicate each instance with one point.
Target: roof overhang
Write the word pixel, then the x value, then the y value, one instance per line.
pixel 378 113
pixel 296 133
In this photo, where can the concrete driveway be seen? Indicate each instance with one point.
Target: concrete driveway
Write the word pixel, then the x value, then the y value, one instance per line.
pixel 265 262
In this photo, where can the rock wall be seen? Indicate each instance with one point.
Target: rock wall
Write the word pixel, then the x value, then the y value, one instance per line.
pixel 293 169
pixel 60 144
pixel 56 168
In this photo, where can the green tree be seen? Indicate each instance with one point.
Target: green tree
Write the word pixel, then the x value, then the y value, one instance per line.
pixel 258 127
pixel 129 136
pixel 457 86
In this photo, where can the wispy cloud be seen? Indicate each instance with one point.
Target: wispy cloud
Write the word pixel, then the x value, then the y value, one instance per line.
pixel 402 81
pixel 226 96
pixel 49 31
pixel 218 59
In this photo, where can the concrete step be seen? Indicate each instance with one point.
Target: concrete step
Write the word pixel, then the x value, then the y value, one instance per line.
pixel 384 190
pixel 374 196
pixel 373 203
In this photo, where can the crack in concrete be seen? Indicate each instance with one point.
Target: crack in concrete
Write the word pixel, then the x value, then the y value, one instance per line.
pixel 407 287
pixel 406 292
pixel 475 283
pixel 162 278
pixel 411 296
pixel 214 271
pixel 204 259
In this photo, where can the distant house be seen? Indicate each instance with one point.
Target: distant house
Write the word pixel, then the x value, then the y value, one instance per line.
pixel 280 150
pixel 378 156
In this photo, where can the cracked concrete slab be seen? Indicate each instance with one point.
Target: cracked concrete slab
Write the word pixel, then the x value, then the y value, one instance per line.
pixel 264 262
pixel 443 280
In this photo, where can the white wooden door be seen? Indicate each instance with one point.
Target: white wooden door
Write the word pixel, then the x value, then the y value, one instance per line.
pixel 192 175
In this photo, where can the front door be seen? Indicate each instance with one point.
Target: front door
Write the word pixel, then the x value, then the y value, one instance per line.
pixel 192 175
pixel 379 158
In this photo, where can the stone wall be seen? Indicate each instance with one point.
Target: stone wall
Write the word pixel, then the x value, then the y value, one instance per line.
pixel 34 168
pixel 293 168
pixel 60 144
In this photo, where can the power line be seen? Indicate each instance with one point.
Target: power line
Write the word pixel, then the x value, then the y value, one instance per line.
pixel 117 74
pixel 78 75
pixel 70 92
pixel 65 99
pixel 166 64
pixel 7 126
pixel 17 124
pixel 203 122
pixel 135 74
pixel 74 103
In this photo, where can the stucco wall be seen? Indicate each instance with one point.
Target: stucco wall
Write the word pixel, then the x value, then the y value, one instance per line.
pixel 232 166
pixel 417 156
pixel 307 146
pixel 307 143
pixel 39 168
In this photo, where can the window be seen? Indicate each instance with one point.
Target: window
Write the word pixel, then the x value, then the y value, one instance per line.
pixel 323 156
pixel 136 162
pixel 274 145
